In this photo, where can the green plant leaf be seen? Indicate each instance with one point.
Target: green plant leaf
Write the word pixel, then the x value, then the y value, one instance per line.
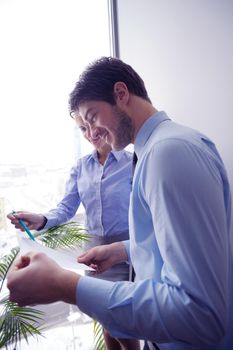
pixel 99 341
pixel 68 235
pixel 5 264
pixel 21 322
pixel 17 322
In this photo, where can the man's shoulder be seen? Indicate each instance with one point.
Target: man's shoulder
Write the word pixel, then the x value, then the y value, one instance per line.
pixel 173 134
pixel 174 140
pixel 172 130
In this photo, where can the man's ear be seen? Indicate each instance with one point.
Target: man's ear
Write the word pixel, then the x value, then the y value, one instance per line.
pixel 121 93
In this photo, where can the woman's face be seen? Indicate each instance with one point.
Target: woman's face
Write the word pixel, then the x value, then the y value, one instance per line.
pixel 96 141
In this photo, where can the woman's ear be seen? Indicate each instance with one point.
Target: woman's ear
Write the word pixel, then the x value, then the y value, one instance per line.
pixel 121 93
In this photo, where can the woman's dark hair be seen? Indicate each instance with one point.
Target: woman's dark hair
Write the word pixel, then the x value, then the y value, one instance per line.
pixel 97 81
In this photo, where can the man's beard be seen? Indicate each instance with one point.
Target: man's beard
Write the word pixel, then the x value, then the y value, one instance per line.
pixel 124 130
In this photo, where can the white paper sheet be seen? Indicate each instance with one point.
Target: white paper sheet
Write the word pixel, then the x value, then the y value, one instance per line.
pixel 64 260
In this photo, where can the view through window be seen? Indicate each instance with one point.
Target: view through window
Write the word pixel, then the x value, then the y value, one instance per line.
pixel 45 45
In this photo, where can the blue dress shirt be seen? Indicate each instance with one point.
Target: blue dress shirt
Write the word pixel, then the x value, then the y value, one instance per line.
pixel 104 191
pixel 179 221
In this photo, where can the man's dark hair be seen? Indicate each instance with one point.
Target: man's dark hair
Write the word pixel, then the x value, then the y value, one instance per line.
pixel 97 81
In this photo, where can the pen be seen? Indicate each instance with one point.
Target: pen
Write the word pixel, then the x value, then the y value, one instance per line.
pixel 22 223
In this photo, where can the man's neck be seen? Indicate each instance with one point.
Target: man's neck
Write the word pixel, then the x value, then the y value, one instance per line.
pixel 140 111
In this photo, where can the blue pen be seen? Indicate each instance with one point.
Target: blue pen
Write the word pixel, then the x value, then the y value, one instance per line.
pixel 22 223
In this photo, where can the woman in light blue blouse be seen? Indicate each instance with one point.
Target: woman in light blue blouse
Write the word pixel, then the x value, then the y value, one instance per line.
pixel 101 181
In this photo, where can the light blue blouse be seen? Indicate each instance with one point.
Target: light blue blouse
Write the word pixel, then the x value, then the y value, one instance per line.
pixel 179 223
pixel 104 191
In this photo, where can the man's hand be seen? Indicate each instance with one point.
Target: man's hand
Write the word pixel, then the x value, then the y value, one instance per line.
pixel 36 279
pixel 101 258
pixel 33 221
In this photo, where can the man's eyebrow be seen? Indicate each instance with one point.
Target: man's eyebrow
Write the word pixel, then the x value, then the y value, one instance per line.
pixel 87 112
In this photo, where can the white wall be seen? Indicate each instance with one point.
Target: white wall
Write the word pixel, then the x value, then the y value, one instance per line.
pixel 183 49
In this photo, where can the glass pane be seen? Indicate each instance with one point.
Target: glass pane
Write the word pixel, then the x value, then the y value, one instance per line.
pixel 45 45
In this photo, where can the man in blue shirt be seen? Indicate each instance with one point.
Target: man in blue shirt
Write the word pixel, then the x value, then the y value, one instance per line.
pixel 179 222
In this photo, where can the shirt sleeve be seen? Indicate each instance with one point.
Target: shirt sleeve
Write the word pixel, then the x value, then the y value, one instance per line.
pixel 68 206
pixel 183 184
pixel 190 303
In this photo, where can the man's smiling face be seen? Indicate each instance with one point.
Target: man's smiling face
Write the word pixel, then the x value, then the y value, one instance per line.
pixel 109 122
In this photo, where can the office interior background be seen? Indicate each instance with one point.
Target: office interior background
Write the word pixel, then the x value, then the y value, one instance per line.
pixel 182 49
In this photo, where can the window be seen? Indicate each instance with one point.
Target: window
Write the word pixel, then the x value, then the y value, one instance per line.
pixel 45 45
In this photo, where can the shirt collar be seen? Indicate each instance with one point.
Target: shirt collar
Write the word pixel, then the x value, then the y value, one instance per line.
pixel 146 130
pixel 116 154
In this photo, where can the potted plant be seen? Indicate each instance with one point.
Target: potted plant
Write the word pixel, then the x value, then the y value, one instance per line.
pixel 21 322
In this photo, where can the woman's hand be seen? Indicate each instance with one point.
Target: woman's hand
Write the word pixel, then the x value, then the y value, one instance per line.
pixel 33 221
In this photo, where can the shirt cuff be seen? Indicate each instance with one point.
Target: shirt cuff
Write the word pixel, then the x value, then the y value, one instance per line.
pixel 92 296
pixel 51 221
pixel 126 244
